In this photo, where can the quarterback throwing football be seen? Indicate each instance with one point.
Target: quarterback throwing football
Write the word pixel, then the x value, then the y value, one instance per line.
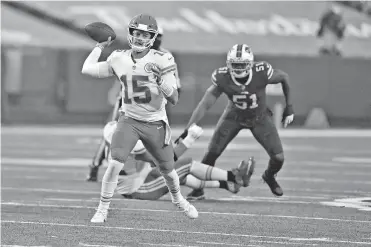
pixel 148 81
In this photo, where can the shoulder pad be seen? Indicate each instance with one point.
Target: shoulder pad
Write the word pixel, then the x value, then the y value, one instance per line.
pixel 264 67
pixel 158 53
pixel 217 74
pixel 164 50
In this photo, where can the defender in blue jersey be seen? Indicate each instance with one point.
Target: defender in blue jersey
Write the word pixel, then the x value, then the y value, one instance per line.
pixel 244 82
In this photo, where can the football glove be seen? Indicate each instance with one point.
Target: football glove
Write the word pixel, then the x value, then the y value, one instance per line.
pixel 182 136
pixel 194 131
pixel 156 72
pixel 288 115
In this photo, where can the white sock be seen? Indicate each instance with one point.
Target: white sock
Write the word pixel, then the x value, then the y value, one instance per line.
pixel 172 182
pixel 206 172
pixel 196 183
pixel 109 183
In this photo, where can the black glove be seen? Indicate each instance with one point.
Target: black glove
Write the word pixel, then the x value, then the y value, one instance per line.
pixel 287 112
pixel 182 136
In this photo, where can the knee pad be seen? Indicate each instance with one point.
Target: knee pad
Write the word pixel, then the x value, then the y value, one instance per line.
pixel 166 167
pixel 280 158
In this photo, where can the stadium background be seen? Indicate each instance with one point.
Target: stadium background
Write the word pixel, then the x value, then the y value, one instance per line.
pixel 44 46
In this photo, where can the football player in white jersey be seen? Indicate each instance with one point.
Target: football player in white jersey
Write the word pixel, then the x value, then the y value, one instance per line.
pixel 148 83
pixel 114 96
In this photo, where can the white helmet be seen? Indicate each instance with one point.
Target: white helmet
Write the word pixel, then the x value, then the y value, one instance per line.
pixel 108 131
pixel 240 60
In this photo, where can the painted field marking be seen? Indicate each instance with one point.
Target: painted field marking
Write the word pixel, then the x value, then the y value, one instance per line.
pixel 180 231
pixel 46 162
pixel 363 160
pixel 176 245
pixel 360 203
pixel 97 245
pixel 25 245
pixel 87 130
pixel 82 192
pixel 230 199
pixel 317 191
pixel 228 244
pixel 172 211
pixel 259 241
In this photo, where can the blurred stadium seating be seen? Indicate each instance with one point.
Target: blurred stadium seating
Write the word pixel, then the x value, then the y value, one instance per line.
pixel 45 47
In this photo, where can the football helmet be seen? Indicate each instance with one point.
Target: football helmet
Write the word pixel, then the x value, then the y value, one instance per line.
pixel 240 60
pixel 145 23
pixel 158 41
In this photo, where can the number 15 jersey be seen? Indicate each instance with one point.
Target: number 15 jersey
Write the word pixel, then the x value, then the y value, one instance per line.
pixel 141 97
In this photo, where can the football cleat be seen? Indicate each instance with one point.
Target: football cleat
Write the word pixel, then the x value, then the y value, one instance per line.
pixel 195 195
pixel 100 216
pixel 272 183
pixel 187 208
pixel 244 172
pixel 233 187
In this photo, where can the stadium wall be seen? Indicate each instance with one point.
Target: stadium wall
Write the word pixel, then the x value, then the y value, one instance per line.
pixel 54 91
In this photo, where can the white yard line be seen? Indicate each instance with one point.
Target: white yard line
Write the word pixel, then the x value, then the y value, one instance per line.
pixel 76 130
pixel 172 211
pixel 321 240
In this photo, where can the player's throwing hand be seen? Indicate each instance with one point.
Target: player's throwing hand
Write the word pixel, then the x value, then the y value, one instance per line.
pixel 105 43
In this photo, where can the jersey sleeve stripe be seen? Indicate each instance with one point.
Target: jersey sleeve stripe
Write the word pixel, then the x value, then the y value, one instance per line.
pixel 164 70
pixel 269 69
pixel 168 71
pixel 270 72
pixel 213 79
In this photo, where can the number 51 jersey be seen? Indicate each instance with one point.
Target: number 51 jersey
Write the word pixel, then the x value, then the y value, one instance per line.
pixel 141 97
pixel 247 100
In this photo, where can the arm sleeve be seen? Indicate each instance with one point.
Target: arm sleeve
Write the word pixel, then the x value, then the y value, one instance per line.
pixel 169 70
pixel 94 68
pixel 170 80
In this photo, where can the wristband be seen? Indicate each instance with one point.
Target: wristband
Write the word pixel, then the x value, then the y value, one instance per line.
pixel 166 89
pixel 100 46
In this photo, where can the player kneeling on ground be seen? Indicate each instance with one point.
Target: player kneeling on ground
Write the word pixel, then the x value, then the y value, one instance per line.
pixel 148 184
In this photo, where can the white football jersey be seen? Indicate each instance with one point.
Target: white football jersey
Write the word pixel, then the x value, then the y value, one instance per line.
pixel 141 97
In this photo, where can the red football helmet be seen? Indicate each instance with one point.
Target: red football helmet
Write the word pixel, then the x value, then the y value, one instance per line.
pixel 144 23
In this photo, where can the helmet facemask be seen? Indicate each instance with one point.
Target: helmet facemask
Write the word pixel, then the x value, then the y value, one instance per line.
pixel 140 44
pixel 239 68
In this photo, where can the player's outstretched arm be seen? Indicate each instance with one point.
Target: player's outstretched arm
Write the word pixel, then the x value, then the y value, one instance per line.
pixel 208 100
pixel 94 68
pixel 282 77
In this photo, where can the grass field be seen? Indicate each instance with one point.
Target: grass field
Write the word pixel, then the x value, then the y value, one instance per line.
pixel 46 202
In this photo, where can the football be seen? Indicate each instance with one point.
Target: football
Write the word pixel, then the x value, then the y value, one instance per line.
pixel 100 31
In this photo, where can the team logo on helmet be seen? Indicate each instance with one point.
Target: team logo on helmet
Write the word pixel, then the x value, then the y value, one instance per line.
pixel 148 67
